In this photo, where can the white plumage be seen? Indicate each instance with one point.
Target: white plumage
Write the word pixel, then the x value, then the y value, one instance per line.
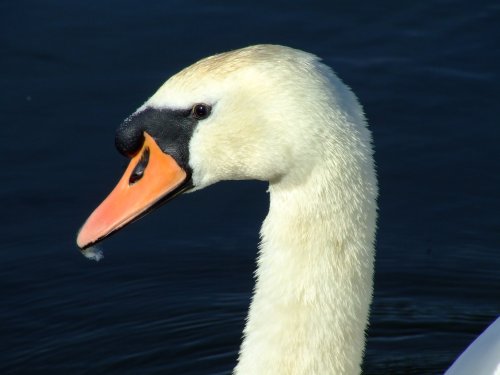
pixel 280 115
pixel 275 114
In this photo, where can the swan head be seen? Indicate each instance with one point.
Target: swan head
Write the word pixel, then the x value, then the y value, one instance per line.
pixel 254 113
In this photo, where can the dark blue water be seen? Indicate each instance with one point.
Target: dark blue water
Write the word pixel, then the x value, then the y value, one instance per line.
pixel 172 292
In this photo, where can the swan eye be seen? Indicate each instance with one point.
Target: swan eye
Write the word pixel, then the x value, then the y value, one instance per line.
pixel 201 111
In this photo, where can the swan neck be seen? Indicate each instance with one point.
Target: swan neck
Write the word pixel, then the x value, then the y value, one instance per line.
pixel 314 279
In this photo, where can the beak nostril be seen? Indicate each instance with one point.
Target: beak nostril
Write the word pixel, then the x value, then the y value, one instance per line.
pixel 139 169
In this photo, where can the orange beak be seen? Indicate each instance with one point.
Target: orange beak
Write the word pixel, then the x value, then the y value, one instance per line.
pixel 151 177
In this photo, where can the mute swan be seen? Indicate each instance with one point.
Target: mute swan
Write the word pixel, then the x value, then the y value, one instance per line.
pixel 276 114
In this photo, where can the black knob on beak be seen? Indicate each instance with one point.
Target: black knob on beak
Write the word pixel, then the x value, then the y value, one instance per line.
pixel 129 136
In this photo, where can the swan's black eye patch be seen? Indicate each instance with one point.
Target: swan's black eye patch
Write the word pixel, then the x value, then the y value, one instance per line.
pixel 201 111
pixel 170 128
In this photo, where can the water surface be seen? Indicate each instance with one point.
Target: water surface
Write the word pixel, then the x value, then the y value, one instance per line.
pixel 172 292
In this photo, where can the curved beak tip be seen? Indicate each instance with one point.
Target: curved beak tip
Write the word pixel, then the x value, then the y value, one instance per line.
pixel 81 241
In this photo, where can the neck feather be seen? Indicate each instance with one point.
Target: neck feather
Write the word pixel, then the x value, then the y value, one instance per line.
pixel 315 269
